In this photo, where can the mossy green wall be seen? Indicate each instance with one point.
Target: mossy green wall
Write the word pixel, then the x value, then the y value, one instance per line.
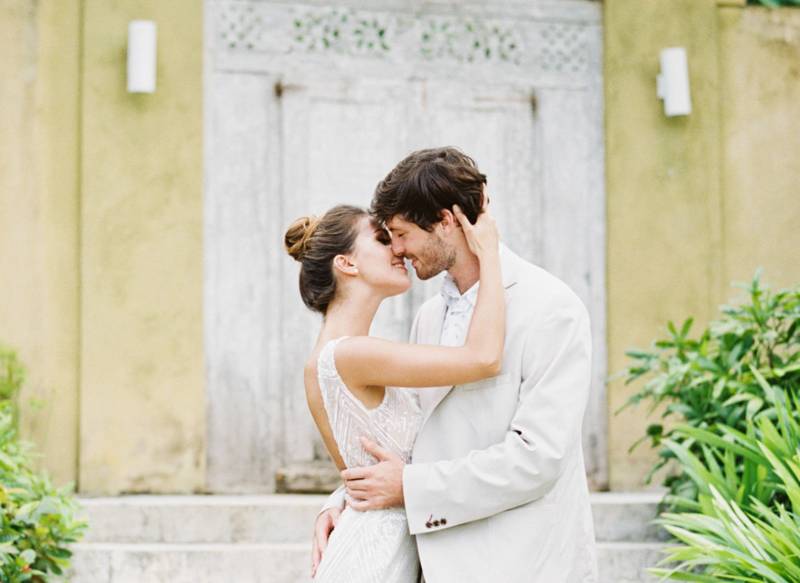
pixel 101 241
pixel 760 113
pixel 39 228
pixel 142 396
pixel 694 202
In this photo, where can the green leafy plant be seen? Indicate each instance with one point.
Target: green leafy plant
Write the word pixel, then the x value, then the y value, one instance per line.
pixel 37 521
pixel 718 382
pixel 12 374
pixel 745 525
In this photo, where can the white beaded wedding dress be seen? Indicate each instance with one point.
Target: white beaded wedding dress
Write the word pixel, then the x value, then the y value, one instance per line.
pixel 373 546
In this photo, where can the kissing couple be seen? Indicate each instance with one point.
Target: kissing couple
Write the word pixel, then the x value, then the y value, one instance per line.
pixel 460 450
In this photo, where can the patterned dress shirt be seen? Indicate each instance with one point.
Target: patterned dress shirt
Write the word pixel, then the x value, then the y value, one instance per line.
pixel 459 312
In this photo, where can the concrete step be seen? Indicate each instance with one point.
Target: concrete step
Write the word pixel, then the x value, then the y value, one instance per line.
pixel 277 563
pixel 628 562
pixel 190 563
pixel 627 517
pixel 289 518
pixel 254 539
pixel 274 519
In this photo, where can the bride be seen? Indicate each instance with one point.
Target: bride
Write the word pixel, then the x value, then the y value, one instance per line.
pixel 353 381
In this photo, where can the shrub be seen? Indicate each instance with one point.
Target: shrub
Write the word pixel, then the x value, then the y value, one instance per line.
pixel 37 521
pixel 719 381
pixel 12 377
pixel 775 3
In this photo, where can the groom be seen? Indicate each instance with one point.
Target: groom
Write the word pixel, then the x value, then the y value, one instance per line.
pixel 496 490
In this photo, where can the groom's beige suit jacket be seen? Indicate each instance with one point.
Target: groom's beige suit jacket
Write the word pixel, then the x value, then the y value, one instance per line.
pixel 496 489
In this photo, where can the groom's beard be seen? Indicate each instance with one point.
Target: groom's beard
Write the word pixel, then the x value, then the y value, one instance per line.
pixel 434 258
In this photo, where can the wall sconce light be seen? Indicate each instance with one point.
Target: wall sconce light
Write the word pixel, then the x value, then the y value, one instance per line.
pixel 672 84
pixel 141 56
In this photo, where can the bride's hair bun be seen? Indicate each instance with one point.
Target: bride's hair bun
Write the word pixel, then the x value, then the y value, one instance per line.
pixel 298 235
pixel 315 242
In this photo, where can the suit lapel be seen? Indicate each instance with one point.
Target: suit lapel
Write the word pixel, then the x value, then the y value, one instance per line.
pixel 509 263
pixel 431 330
pixel 431 333
pixel 433 323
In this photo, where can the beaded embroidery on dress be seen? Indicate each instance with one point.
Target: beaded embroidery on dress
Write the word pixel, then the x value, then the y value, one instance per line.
pixel 373 546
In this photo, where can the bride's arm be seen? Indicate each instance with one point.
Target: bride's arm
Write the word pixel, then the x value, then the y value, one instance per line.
pixel 368 361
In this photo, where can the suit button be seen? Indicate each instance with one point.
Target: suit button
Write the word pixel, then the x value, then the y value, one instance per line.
pixel 428 524
pixel 443 521
pixel 435 523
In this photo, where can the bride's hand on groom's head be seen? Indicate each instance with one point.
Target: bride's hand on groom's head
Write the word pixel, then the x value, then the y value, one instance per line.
pixel 482 238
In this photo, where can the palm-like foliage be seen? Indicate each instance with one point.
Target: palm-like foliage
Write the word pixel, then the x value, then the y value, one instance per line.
pixel 745 525
pixel 727 544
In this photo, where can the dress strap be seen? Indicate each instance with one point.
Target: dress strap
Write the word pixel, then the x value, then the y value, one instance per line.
pixel 326 363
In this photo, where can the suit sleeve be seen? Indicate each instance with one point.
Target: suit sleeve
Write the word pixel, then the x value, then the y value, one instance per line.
pixel 545 430
pixel 335 500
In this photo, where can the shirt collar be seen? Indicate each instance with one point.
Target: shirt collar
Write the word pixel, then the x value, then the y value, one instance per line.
pixel 453 297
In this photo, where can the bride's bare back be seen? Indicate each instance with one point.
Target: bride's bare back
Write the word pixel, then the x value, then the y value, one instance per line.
pixel 317 407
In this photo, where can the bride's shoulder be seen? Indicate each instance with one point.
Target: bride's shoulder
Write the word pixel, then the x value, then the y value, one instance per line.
pixel 354 345
pixel 315 361
pixel 359 349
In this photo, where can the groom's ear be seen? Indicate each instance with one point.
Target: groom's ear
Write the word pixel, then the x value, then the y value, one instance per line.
pixel 345 264
pixel 447 221
pixel 484 198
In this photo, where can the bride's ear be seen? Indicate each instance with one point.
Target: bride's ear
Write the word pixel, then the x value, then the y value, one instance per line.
pixel 345 264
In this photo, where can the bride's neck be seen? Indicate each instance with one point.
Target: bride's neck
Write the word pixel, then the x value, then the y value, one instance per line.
pixel 350 316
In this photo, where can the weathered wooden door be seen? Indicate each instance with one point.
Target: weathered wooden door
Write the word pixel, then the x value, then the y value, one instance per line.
pixel 299 128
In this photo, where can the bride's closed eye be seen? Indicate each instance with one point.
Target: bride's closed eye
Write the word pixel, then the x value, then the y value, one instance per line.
pixel 382 237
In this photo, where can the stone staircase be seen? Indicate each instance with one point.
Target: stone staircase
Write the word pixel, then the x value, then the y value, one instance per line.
pixel 259 539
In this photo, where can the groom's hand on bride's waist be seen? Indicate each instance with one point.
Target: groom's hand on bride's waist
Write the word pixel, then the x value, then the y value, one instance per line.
pixel 377 486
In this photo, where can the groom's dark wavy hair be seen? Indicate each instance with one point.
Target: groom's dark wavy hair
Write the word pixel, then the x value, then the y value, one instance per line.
pixel 426 182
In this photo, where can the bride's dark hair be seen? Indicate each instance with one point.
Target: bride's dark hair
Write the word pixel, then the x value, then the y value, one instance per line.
pixel 314 242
